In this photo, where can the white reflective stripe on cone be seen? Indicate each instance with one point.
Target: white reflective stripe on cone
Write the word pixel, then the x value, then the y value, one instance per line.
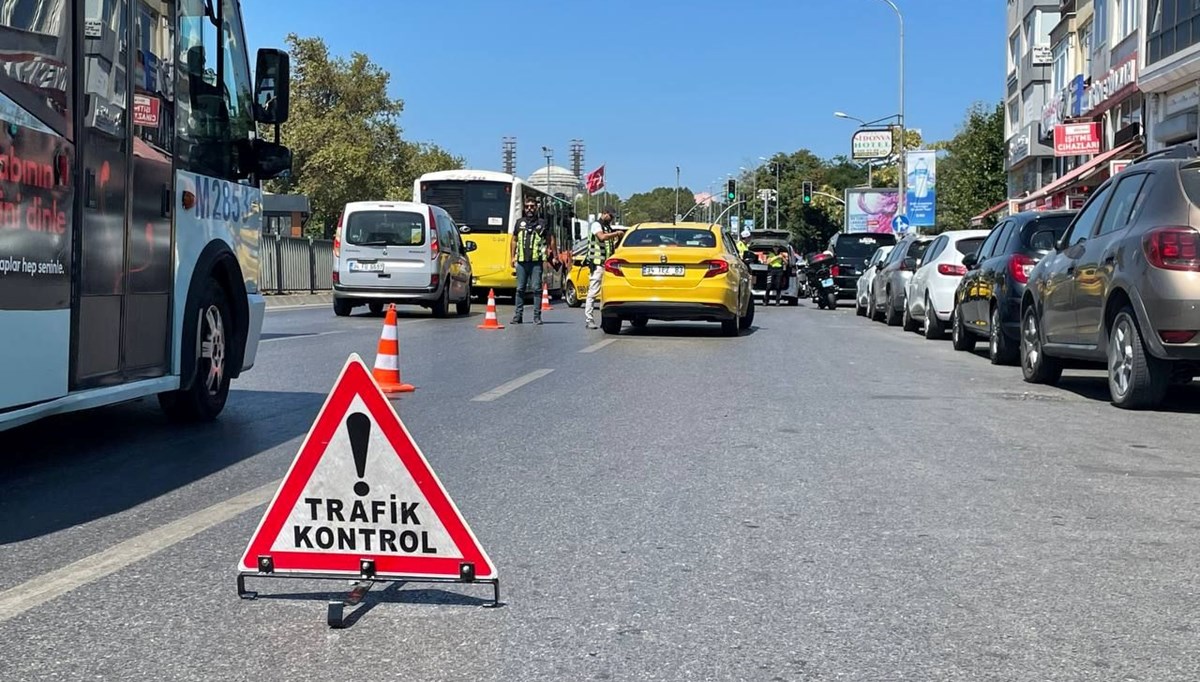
pixel 389 333
pixel 390 362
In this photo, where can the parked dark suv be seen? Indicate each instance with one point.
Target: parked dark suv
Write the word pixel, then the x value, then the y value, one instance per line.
pixel 852 250
pixel 987 302
pixel 1122 286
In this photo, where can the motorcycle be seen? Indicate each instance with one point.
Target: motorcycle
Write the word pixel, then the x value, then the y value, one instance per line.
pixel 820 281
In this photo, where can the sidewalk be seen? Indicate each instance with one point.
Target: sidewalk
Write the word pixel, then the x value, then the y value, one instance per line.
pixel 298 299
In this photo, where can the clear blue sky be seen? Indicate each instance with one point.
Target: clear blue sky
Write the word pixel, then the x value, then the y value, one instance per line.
pixel 651 84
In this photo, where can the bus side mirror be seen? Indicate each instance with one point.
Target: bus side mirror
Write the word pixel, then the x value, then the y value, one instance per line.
pixel 271 159
pixel 272 86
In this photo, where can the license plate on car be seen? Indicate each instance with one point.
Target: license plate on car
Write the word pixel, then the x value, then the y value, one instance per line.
pixel 662 271
pixel 827 282
pixel 355 266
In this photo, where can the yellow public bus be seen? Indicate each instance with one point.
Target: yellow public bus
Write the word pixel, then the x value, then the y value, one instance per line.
pixel 486 205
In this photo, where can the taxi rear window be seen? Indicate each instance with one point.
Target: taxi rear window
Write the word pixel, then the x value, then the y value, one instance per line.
pixel 670 236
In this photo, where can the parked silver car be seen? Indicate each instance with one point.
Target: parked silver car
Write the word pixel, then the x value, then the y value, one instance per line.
pixel 866 281
pixel 891 278
pixel 400 252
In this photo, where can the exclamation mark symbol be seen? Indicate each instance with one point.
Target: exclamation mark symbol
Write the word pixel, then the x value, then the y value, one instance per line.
pixel 359 426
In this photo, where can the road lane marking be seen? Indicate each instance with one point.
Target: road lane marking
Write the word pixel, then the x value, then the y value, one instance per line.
pixel 597 346
pixel 37 591
pixel 302 335
pixel 504 389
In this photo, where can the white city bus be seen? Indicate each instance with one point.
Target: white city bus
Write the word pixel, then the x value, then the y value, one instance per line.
pixel 130 207
pixel 486 205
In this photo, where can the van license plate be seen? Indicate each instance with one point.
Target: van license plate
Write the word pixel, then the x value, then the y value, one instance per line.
pixel 355 266
pixel 662 271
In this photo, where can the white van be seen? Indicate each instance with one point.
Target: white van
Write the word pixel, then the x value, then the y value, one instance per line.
pixel 399 252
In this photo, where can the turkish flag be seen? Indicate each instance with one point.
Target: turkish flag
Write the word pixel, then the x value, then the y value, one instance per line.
pixel 595 180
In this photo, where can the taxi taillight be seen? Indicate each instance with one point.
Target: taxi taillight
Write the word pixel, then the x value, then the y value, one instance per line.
pixel 715 267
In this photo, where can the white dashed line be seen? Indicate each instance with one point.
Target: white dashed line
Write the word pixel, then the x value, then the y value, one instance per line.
pixel 597 346
pixel 504 389
pixel 33 593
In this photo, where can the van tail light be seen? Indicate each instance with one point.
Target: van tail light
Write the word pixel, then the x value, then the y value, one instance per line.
pixel 337 279
pixel 1177 336
pixel 951 270
pixel 1173 248
pixel 337 235
pixel 1019 266
pixel 835 271
pixel 434 247
pixel 613 266
pixel 715 267
pixel 434 279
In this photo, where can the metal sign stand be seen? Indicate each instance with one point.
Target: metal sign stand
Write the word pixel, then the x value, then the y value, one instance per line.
pixel 335 608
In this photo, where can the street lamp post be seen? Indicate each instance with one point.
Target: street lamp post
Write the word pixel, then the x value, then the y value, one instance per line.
pixel 676 192
pixel 903 171
pixel 870 162
pixel 549 154
pixel 778 190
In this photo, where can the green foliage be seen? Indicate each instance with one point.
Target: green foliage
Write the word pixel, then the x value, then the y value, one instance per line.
pixel 971 176
pixel 345 135
pixel 657 205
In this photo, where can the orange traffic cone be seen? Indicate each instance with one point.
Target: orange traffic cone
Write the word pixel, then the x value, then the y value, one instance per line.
pixel 387 359
pixel 546 297
pixel 489 320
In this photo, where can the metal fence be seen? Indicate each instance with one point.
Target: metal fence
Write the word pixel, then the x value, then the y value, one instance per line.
pixel 296 264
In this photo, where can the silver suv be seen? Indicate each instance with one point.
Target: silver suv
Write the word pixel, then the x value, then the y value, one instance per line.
pixel 1121 287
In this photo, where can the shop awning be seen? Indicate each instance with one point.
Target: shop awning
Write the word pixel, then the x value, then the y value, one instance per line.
pixel 1083 172
pixel 978 220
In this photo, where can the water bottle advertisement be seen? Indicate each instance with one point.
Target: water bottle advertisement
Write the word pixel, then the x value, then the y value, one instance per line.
pixel 922 191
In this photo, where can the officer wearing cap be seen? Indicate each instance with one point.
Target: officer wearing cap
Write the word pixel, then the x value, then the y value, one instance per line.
pixel 602 241
pixel 532 243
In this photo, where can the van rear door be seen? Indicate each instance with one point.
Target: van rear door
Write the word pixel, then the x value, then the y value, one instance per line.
pixel 384 247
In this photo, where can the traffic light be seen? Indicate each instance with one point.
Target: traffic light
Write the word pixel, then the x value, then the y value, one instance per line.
pixel 807 192
pixel 731 190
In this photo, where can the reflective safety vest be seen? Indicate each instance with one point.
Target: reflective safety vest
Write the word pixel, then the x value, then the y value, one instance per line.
pixel 741 247
pixel 599 251
pixel 775 260
pixel 531 241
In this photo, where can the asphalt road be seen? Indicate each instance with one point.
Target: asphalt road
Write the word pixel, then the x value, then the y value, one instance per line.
pixel 822 498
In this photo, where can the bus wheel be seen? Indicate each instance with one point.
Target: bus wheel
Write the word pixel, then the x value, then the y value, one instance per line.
pixel 206 397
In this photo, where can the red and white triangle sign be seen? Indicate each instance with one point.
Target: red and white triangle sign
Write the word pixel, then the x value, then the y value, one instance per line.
pixel 360 488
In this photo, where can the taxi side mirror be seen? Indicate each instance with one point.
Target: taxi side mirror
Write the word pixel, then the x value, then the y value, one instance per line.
pixel 469 246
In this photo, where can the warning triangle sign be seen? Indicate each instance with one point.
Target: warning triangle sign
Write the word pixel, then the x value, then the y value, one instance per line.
pixel 360 488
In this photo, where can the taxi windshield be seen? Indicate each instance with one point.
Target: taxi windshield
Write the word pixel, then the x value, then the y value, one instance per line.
pixel 670 236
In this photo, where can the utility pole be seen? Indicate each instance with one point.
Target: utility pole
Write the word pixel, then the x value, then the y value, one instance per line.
pixel 549 154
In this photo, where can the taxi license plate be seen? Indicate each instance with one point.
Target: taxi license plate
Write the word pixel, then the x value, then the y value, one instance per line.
pixel 355 266
pixel 827 283
pixel 662 271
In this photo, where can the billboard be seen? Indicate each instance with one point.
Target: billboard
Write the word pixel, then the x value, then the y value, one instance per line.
pixel 870 209
pixel 921 198
pixel 871 143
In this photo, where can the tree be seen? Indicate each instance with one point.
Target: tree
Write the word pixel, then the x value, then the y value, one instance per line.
pixel 657 205
pixel 345 135
pixel 971 176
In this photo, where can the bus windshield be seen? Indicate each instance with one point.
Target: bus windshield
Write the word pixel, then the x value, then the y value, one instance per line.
pixel 483 206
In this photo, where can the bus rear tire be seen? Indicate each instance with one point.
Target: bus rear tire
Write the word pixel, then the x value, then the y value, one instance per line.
pixel 206 397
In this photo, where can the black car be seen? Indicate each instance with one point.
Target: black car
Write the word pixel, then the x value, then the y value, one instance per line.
pixel 988 300
pixel 852 251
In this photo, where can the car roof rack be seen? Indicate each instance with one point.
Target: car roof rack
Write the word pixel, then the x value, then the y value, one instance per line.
pixel 1179 151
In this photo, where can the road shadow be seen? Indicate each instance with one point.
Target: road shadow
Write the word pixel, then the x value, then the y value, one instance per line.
pixel 392 594
pixel 1094 386
pixel 70 469
pixel 679 330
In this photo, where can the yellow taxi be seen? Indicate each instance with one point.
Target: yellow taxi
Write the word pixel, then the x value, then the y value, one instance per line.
pixel 678 272
pixel 575 284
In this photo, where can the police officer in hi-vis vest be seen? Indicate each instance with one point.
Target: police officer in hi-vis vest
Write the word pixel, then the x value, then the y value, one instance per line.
pixel 601 244
pixel 776 274
pixel 532 244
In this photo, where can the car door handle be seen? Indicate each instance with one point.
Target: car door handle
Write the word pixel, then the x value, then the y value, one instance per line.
pixel 1110 259
pixel 1070 269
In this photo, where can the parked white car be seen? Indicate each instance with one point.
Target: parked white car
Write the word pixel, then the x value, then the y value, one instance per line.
pixel 930 295
pixel 864 294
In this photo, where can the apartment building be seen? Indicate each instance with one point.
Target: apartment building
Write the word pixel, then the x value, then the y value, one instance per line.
pixel 1029 163
pixel 1170 71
